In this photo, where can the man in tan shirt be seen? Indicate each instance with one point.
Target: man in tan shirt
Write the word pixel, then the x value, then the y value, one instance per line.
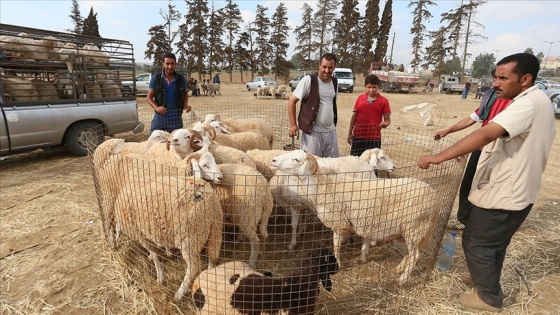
pixel 516 144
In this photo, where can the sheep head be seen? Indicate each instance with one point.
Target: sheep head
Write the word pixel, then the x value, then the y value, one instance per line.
pixel 205 167
pixel 210 118
pixel 159 136
pixel 378 159
pixel 219 127
pixel 180 142
pixel 296 162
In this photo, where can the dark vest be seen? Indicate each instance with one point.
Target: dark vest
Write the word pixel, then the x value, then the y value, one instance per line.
pixel 159 96
pixel 310 105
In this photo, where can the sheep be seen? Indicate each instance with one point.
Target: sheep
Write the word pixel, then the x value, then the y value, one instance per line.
pixel 236 288
pixel 375 209
pixel 282 89
pixel 157 136
pixel 363 167
pixel 109 89
pixel 272 92
pixel 247 202
pixel 20 89
pixel 224 154
pixel 238 125
pixel 46 90
pixel 25 48
pixel 243 141
pixel 262 160
pixel 159 207
pixel 259 92
pixel 182 143
pixel 95 56
pixel 68 52
pixel 213 88
pixel 93 90
pixel 286 95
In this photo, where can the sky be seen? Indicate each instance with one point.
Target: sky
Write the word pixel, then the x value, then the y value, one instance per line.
pixel 510 26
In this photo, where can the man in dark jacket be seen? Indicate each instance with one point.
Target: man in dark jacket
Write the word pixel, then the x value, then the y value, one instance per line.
pixel 168 96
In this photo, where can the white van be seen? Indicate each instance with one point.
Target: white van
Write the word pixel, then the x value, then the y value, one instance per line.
pixel 345 78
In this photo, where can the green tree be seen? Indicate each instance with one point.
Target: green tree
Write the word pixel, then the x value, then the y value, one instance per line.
pixel 193 38
pixel 304 37
pixel 215 30
pixel 471 25
pixel 436 52
pixel 91 27
pixel 454 19
pixel 323 23
pixel 262 41
pixel 483 65
pixel 77 18
pixel 384 29
pixel 529 51
pixel 420 15
pixel 157 45
pixel 370 30
pixel 232 20
pixel 348 28
pixel 278 39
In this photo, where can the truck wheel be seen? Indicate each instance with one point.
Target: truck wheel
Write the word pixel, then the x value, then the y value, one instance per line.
pixel 79 136
pixel 248 88
pixel 350 90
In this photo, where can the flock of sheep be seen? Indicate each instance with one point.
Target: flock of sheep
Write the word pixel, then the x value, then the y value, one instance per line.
pixel 52 84
pixel 178 190
pixel 271 92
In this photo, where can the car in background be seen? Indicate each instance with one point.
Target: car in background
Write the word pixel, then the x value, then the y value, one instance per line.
pixel 551 84
pixel 260 82
pixel 554 96
pixel 294 82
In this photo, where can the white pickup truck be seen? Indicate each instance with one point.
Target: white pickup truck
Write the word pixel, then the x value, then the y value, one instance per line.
pixel 142 81
pixel 451 84
pixel 62 89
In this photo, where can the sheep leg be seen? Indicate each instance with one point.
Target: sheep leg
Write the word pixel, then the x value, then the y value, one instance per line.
pixel 159 270
pixel 294 223
pixel 409 260
pixel 192 259
pixel 263 224
pixel 213 245
pixel 365 249
pixel 337 242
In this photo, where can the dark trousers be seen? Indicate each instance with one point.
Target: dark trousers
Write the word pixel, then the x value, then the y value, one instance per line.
pixel 485 239
pixel 360 145
pixel 464 204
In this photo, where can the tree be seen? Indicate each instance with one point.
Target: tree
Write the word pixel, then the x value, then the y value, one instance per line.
pixel 370 30
pixel 471 24
pixel 157 45
pixel 529 51
pixel 215 30
pixel 91 27
pixel 421 15
pixel 232 19
pixel 304 37
pixel 241 54
pixel 454 20
pixel 77 18
pixel 323 23
pixel 280 45
pixel 162 36
pixel 262 41
pixel 348 28
pixel 384 29
pixel 436 52
pixel 483 65
pixel 193 38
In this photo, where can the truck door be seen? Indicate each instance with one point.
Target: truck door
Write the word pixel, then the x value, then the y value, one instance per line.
pixel 4 140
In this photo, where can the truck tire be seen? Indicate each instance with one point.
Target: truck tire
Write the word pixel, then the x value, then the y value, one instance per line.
pixel 248 88
pixel 79 135
pixel 350 90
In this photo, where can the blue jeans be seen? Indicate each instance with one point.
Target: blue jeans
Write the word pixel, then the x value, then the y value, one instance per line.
pixel 167 122
pixel 465 93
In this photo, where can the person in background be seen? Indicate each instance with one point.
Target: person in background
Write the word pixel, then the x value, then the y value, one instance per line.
pixel 466 89
pixel 478 94
pixel 216 79
pixel 440 88
pixel 516 145
pixel 193 86
pixel 168 96
pixel 371 113
pixel 318 113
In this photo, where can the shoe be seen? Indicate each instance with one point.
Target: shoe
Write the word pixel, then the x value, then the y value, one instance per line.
pixel 473 301
pixel 456 226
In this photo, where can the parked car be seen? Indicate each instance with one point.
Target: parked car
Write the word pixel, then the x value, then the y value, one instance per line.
pixel 142 82
pixel 554 96
pixel 294 82
pixel 551 84
pixel 260 82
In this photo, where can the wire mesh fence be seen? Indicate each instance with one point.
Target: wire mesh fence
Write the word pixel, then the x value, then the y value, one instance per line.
pixel 284 234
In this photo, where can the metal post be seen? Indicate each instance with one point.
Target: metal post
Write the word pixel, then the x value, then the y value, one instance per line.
pixel 548 54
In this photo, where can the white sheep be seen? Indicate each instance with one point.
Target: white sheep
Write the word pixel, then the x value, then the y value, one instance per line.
pixel 161 208
pixel 282 89
pixel 262 159
pixel 247 202
pixel 46 90
pixel 157 136
pixel 109 89
pixel 236 288
pixel 213 89
pixel 20 89
pixel 95 56
pixel 362 167
pixel 243 141
pixel 68 53
pixel 182 142
pixel 259 92
pixel 286 95
pixel 224 154
pixel 233 125
pixel 272 92
pixel 375 209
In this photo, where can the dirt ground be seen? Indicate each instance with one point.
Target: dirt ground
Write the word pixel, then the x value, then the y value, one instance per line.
pixel 49 211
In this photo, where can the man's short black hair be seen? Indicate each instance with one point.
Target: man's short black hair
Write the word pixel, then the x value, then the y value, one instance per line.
pixel 524 64
pixel 328 57
pixel 372 79
pixel 169 55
